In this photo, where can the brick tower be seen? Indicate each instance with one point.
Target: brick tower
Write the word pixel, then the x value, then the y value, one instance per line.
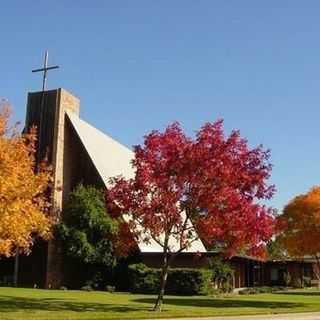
pixel 47 111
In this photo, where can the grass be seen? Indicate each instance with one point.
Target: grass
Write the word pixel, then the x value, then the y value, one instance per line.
pixel 39 304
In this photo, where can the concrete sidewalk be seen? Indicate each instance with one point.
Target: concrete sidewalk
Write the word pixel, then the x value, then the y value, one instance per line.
pixel 289 316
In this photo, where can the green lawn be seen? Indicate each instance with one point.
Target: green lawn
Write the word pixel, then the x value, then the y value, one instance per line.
pixel 39 304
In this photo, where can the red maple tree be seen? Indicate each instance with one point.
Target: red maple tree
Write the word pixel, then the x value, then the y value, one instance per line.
pixel 205 187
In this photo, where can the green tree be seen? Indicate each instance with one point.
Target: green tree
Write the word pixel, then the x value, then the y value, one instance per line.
pixel 222 274
pixel 86 229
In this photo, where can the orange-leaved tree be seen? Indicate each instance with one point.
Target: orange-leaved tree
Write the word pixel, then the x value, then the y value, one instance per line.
pixel 24 205
pixel 299 227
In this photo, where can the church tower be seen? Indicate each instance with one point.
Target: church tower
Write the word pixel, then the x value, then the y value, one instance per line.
pixel 47 111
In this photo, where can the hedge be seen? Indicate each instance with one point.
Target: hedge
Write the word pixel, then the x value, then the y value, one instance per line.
pixel 181 281
pixel 265 289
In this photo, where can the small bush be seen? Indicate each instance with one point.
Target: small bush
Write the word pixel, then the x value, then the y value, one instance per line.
pixel 95 281
pixel 213 291
pixel 188 281
pixel 306 281
pixel 248 291
pixel 222 274
pixel 181 281
pixel 144 279
pixel 287 278
pixel 297 283
pixel 110 289
pixel 86 288
pixel 280 288
pixel 264 289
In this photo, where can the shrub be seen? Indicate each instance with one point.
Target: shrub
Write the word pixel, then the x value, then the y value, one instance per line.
pixel 86 288
pixel 264 289
pixel 248 291
pixel 222 274
pixel 287 278
pixel 306 281
pixel 188 281
pixel 213 291
pixel 96 281
pixel 181 281
pixel 110 289
pixel 280 288
pixel 297 283
pixel 144 279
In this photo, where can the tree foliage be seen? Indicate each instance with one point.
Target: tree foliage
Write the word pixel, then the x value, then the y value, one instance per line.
pixel 222 274
pixel 23 202
pixel 86 229
pixel 299 226
pixel 207 186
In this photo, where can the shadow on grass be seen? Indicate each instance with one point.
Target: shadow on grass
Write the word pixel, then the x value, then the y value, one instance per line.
pixel 13 304
pixel 299 293
pixel 223 303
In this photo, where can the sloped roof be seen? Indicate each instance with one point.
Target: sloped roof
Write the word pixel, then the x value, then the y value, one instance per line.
pixel 109 156
pixel 111 159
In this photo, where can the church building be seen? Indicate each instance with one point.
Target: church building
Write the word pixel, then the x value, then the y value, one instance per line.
pixel 78 152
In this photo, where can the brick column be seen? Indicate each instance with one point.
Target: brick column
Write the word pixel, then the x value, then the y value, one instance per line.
pixel 51 120
pixel 65 102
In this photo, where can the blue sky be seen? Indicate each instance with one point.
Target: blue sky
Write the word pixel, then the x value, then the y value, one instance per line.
pixel 139 65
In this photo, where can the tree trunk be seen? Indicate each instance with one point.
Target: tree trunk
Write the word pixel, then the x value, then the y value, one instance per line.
pixel 16 269
pixel 163 281
pixel 316 270
pixel 302 274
